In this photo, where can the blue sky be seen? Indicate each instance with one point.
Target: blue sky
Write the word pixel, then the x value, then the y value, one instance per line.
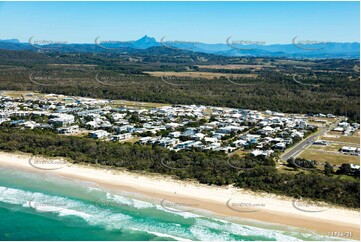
pixel 209 22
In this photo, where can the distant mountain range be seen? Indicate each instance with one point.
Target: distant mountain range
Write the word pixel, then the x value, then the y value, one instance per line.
pixel 230 48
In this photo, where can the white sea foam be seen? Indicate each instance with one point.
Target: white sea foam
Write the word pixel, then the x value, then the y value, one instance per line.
pixel 141 204
pixel 181 213
pixel 91 189
pixel 61 206
pixel 244 230
pixel 116 199
pixel 201 228
pixel 163 235
pixel 122 200
pixel 204 234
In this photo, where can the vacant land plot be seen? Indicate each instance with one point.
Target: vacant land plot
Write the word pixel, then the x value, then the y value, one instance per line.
pixel 27 95
pixel 342 138
pixel 206 75
pixel 239 152
pixel 332 158
pixel 334 133
pixel 328 120
pixel 16 94
pixel 131 140
pixel 138 104
pixel 318 124
pixel 334 147
pixel 24 94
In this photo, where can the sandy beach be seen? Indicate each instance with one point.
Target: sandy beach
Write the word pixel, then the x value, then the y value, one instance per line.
pixel 229 201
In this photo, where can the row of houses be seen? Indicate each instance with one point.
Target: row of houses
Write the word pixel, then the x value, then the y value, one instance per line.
pixel 174 127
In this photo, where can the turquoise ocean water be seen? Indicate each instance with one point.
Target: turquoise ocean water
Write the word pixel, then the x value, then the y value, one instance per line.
pixel 36 206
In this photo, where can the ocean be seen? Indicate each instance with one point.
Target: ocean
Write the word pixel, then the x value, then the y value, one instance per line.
pixel 42 206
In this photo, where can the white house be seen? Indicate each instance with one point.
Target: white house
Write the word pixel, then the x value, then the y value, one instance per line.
pixel 62 119
pixel 280 146
pixel 119 137
pixel 99 134
pixel 69 130
pixel 262 152
pixel 174 134
pixel 198 136
pixel 348 150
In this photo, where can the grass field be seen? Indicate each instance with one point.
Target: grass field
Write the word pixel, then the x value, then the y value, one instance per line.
pixel 138 104
pixel 131 140
pixel 240 152
pixel 206 75
pixel 318 124
pixel 332 158
pixel 19 94
pixel 328 120
pixel 347 139
pixel 234 67
pixel 330 148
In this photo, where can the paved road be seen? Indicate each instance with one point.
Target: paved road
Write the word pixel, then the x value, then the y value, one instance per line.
pixel 297 149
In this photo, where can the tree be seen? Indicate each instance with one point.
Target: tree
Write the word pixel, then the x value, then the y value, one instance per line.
pixel 345 169
pixel 134 118
pixel 328 169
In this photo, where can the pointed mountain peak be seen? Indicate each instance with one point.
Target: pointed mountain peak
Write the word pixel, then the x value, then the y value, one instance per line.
pixel 145 42
pixel 146 39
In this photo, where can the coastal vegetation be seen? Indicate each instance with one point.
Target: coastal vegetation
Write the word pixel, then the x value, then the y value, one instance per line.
pixel 210 167
pixel 278 84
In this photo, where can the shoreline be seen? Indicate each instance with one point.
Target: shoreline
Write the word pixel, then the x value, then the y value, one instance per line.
pixel 224 201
